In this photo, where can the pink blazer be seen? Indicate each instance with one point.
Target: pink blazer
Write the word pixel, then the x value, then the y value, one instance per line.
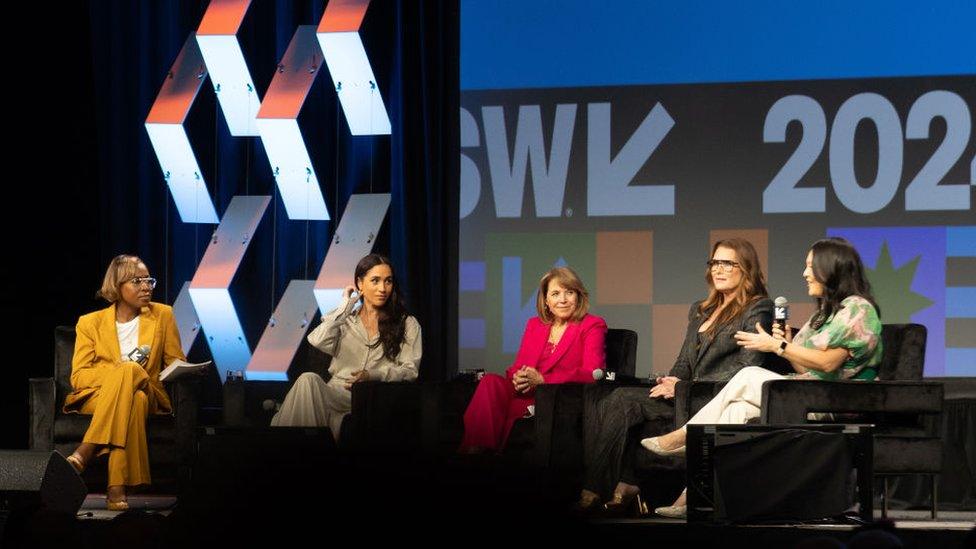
pixel 579 352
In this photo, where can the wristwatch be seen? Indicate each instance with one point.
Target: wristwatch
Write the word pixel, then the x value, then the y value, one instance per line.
pixel 782 348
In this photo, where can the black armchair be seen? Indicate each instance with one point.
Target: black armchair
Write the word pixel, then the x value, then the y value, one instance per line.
pixel 552 439
pixel 905 443
pixel 170 438
pixel 558 421
pixel 621 352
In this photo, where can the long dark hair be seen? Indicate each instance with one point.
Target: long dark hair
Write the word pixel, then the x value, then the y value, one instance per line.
pixel 393 315
pixel 838 267
pixel 751 289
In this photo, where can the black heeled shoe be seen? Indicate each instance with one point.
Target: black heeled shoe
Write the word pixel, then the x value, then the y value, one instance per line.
pixel 587 505
pixel 624 504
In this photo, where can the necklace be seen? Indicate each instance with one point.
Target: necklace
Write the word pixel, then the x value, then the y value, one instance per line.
pixel 370 324
pixel 556 333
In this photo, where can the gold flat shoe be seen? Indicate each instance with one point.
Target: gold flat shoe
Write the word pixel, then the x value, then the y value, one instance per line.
pixel 673 511
pixel 76 463
pixel 117 505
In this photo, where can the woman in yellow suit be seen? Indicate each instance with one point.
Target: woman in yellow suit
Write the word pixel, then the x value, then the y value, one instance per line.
pixel 112 381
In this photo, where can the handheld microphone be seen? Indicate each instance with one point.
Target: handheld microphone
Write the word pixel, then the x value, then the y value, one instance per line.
pixel 603 375
pixel 139 355
pixel 781 311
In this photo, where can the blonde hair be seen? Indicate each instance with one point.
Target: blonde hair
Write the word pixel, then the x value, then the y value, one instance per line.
pixel 568 279
pixel 121 269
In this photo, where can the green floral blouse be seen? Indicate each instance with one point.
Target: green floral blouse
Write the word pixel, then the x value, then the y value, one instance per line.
pixel 855 327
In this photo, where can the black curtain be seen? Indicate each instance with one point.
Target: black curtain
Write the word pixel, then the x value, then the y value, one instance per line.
pixel 103 191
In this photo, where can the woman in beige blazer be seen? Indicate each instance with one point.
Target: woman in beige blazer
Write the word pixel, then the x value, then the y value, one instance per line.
pixel 379 341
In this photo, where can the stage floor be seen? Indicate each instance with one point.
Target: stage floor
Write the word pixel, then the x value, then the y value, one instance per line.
pixel 94 509
pixel 913 520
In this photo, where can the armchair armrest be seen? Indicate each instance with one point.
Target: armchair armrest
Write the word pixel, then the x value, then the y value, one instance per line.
pixel 690 396
pixel 41 401
pixel 557 402
pixel 386 415
pixel 184 395
pixel 786 401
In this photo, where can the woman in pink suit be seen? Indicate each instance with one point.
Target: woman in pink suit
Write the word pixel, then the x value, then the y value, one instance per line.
pixel 563 344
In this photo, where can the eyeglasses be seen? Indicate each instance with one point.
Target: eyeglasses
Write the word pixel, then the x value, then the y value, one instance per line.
pixel 148 280
pixel 723 265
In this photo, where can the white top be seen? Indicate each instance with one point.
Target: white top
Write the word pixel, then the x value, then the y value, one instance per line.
pixel 128 335
pixel 343 336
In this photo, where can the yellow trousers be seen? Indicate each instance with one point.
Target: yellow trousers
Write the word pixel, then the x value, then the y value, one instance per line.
pixel 119 409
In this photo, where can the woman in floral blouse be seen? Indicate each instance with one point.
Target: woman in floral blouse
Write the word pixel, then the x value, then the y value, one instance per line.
pixel 842 340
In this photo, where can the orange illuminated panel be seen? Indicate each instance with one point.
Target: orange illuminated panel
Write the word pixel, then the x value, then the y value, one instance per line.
pixel 343 16
pixel 180 87
pixel 223 17
pixel 230 241
pixel 284 333
pixel 353 239
pixel 294 77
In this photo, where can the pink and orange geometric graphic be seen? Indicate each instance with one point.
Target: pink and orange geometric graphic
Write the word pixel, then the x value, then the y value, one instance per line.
pixel 214 51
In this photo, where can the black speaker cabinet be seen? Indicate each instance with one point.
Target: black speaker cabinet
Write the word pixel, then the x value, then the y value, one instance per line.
pixel 778 473
pixel 243 467
pixel 40 478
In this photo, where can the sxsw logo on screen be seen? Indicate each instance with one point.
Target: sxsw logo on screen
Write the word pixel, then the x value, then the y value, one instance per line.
pixel 508 162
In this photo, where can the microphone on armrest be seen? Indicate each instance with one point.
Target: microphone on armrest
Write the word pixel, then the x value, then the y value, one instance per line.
pixel 601 374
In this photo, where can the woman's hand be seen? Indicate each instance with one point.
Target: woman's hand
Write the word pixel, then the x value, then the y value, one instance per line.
pixel 347 298
pixel 778 332
pixel 361 375
pixel 759 341
pixel 664 388
pixel 526 379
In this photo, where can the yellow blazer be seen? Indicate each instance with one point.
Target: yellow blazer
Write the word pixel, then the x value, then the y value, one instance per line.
pixel 97 350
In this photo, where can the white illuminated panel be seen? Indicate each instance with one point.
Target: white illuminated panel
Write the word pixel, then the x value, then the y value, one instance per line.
pixel 209 288
pixel 187 321
pixel 223 331
pixel 355 84
pixel 292 169
pixel 182 173
pixel 329 298
pixel 280 134
pixel 232 83
pixel 164 124
pixel 353 239
pixel 284 333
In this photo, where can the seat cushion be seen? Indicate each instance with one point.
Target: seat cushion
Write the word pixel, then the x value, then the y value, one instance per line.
pixel 907 454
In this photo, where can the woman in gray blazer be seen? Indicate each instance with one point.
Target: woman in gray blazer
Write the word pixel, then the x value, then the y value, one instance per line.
pixel 737 300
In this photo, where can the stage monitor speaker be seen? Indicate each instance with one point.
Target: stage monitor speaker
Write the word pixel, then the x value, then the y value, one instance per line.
pixel 240 467
pixel 785 473
pixel 40 478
